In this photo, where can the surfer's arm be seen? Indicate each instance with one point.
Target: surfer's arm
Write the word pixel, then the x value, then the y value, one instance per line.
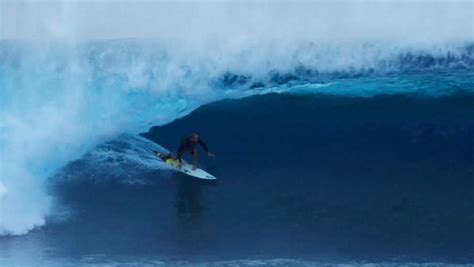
pixel 203 145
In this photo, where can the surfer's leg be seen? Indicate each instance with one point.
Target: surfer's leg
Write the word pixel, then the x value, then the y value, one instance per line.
pixel 195 154
pixel 195 158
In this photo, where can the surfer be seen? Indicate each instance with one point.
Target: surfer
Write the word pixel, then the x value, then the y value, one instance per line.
pixel 188 143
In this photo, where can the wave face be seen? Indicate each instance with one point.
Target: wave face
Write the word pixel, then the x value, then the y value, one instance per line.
pixel 63 94
pixel 347 178
pixel 324 179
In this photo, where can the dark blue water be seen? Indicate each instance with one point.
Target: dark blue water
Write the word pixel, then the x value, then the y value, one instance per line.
pixel 339 177
pixel 318 179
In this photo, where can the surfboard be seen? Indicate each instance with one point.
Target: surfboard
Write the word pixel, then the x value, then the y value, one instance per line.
pixel 186 168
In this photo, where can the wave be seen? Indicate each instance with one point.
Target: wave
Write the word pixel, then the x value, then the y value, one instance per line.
pixel 328 177
pixel 61 98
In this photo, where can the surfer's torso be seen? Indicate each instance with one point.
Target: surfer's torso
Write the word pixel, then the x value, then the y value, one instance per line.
pixel 188 144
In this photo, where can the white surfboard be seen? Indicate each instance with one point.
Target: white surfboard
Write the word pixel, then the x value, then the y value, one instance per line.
pixel 185 167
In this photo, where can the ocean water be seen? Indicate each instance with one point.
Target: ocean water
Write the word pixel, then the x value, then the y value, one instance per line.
pixel 335 146
pixel 304 179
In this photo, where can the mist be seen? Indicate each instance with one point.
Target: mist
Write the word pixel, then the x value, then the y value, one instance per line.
pixel 411 21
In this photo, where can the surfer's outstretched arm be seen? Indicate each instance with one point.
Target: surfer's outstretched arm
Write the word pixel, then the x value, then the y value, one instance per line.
pixel 204 146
